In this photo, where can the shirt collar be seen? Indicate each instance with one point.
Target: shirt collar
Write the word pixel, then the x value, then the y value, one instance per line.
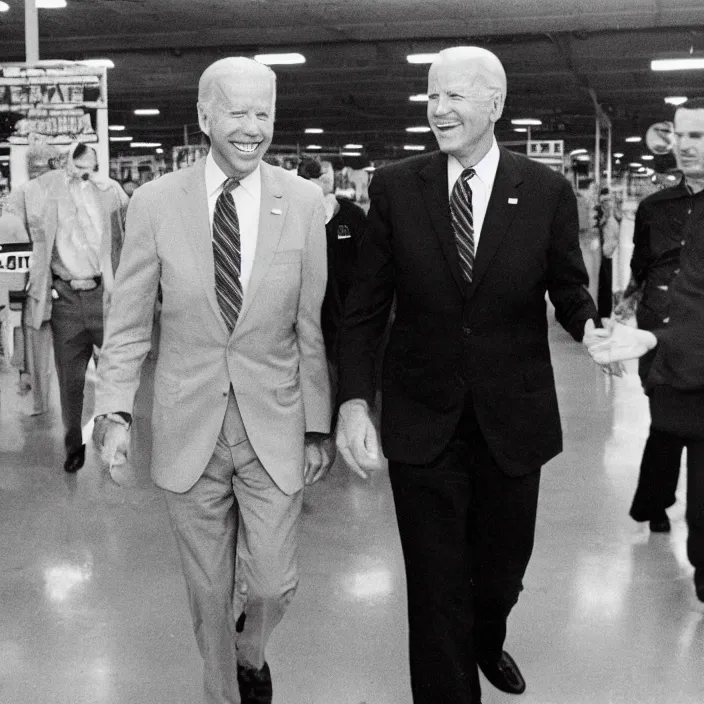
pixel 485 169
pixel 215 178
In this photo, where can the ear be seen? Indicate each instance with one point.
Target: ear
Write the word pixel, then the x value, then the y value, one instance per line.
pixel 203 119
pixel 497 106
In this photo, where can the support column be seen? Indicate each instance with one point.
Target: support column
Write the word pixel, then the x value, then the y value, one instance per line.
pixel 31 31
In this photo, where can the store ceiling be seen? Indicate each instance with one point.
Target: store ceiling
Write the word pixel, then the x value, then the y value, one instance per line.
pixel 356 83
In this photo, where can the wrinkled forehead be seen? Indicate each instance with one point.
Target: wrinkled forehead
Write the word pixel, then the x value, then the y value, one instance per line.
pixel 689 120
pixel 470 76
pixel 245 87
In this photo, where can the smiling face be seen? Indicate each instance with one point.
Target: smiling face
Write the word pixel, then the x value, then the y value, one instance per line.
pixel 466 91
pixel 689 142
pixel 236 111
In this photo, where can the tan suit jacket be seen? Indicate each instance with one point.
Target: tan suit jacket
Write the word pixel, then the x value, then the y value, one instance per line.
pixel 274 359
pixel 40 203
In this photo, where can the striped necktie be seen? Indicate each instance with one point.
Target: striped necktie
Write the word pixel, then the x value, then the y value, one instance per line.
pixel 227 255
pixel 463 222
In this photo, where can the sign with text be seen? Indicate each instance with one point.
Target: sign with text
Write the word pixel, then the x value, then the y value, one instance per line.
pixel 15 258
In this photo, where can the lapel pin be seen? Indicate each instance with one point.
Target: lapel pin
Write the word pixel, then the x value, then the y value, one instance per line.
pixel 513 201
pixel 276 211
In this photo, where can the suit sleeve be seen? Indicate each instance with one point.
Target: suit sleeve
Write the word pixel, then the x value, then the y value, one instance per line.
pixel 313 361
pixel 640 260
pixel 128 332
pixel 568 280
pixel 369 301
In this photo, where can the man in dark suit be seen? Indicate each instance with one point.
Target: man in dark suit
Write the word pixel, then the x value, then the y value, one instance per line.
pixel 469 407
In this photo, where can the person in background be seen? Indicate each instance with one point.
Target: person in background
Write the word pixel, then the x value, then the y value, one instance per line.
pixel 344 227
pixel 129 187
pixel 469 240
pixel 77 231
pixel 242 406
pixel 675 379
pixel 25 202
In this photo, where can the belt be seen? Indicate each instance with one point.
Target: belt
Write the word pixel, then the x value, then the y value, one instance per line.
pixel 82 284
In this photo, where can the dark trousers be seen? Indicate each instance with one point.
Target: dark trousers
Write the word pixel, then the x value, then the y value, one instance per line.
pixel 605 296
pixel 467 534
pixel 659 474
pixel 77 326
pixel 695 502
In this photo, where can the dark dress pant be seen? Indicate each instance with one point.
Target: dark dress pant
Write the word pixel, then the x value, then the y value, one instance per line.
pixel 77 327
pixel 467 534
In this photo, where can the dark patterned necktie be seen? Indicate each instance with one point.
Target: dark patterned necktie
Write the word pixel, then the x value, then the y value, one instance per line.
pixel 463 222
pixel 227 255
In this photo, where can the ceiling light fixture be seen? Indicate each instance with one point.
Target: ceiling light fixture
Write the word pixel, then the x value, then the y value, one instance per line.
pixel 145 145
pixel 636 165
pixel 419 98
pixel 116 128
pixel 414 147
pixel 575 152
pixel 280 59
pixel 147 111
pixel 527 121
pixel 634 139
pixel 582 157
pixel 4 7
pixel 647 157
pixel 159 150
pixel 121 139
pixel 421 58
pixel 370 168
pixel 98 63
pixel 520 129
pixel 314 130
pixel 420 130
pixel 687 64
pixel 618 155
pixel 51 4
pixel 351 153
pixel 353 146
pixel 676 99
pixel 313 147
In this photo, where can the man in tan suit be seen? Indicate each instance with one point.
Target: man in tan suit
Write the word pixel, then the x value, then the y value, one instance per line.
pixel 241 393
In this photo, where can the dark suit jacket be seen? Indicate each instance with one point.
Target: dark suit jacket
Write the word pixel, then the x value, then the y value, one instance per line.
pixel 488 340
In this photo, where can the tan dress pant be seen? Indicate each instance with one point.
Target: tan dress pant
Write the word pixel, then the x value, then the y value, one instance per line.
pixel 235 516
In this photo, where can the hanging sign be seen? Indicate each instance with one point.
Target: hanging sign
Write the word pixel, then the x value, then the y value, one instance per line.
pixel 15 258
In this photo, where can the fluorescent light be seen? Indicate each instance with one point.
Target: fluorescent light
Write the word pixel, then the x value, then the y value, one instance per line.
pixel 636 165
pixel 353 146
pixel 574 152
pixel 4 157
pixel 146 111
pixel 351 153
pixel 313 146
pixel 528 121
pixel 4 7
pixel 366 168
pixel 159 151
pixel 583 157
pixel 280 59
pixel 421 58
pixel 677 64
pixel 120 139
pixel 116 128
pixel 520 129
pixel 676 99
pixel 314 130
pixel 634 139
pixel 420 129
pixel 419 98
pixel 146 145
pixel 51 4
pixel 647 157
pixel 414 147
pixel 99 63
pixel 618 155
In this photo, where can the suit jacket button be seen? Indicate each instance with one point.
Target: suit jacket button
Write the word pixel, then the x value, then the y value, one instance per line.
pixel 466 330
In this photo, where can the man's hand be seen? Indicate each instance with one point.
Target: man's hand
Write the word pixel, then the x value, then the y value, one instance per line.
pixel 595 336
pixel 110 439
pixel 319 456
pixel 624 343
pixel 356 437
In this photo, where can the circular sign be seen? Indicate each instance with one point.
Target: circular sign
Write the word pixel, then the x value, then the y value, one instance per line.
pixel 660 137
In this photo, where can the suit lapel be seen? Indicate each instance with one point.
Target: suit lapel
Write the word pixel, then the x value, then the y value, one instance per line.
pixel 501 210
pixel 433 180
pixel 272 213
pixel 196 226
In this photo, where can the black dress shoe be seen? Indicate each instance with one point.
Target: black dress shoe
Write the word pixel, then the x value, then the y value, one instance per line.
pixel 699 582
pixel 660 523
pixel 255 685
pixel 75 459
pixel 504 674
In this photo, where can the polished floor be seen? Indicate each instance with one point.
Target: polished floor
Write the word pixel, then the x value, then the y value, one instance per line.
pixel 93 607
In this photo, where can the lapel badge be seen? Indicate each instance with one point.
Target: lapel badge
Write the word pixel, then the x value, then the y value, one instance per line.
pixel 513 201
pixel 276 211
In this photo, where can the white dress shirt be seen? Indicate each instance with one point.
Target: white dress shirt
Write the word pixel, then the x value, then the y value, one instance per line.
pixel 247 197
pixel 481 184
